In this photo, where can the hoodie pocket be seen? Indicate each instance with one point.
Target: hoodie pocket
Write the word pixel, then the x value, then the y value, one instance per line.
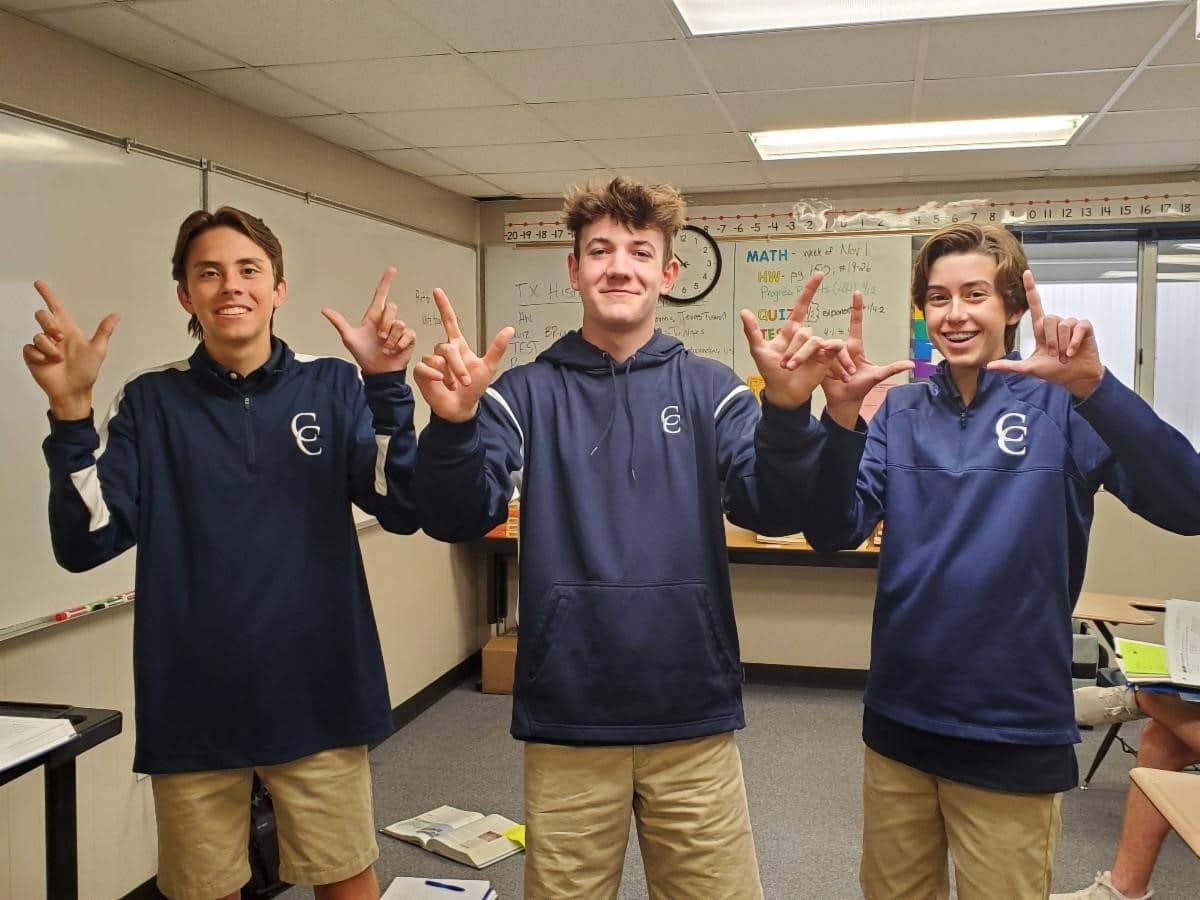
pixel 621 655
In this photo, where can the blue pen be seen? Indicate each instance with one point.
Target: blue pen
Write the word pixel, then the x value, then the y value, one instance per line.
pixel 449 887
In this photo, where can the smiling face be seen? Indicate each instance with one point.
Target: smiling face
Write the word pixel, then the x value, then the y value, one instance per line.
pixel 965 312
pixel 620 274
pixel 230 288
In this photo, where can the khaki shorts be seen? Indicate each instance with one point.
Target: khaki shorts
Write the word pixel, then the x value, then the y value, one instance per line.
pixel 689 802
pixel 1002 843
pixel 323 816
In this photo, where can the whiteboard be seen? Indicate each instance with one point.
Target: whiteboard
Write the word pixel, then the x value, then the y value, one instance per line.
pixel 335 258
pixel 528 288
pixel 98 225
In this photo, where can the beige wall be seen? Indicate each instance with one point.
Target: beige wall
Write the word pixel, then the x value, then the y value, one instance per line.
pixel 822 617
pixel 426 595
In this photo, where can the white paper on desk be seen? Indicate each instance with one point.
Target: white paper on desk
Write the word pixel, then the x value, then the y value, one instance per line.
pixel 23 738
pixel 1181 634
pixel 419 889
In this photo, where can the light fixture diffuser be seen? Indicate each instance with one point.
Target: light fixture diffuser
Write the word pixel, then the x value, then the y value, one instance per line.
pixel 917 137
pixel 723 17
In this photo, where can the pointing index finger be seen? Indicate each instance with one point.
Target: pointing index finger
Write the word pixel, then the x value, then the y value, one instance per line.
pixel 800 310
pixel 446 311
pixel 856 317
pixel 1036 312
pixel 379 301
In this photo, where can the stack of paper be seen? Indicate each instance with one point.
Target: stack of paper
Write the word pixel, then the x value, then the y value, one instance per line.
pixel 439 889
pixel 23 738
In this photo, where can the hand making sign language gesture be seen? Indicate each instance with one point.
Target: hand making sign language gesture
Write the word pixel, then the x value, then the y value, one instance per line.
pixel 63 360
pixel 794 362
pixel 380 342
pixel 452 379
pixel 844 397
pixel 1065 350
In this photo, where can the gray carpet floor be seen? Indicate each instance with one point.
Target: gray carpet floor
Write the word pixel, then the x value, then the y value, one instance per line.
pixel 803 762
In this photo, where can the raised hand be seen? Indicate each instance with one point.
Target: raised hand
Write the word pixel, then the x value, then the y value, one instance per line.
pixel 380 342
pixel 844 397
pixel 794 362
pixel 1064 352
pixel 63 360
pixel 453 378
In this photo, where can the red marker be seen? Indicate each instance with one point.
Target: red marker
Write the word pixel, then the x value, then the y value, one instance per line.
pixel 70 613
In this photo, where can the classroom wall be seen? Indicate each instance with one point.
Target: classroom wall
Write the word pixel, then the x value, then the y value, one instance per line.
pixel 822 617
pixel 426 595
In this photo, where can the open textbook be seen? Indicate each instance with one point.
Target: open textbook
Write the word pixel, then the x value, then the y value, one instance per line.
pixel 437 888
pixel 1175 662
pixel 467 837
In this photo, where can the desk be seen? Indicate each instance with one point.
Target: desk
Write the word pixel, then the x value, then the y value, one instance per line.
pixel 1177 796
pixel 93 726
pixel 743 547
pixel 1103 610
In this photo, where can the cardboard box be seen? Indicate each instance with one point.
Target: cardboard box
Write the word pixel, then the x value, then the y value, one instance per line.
pixel 500 663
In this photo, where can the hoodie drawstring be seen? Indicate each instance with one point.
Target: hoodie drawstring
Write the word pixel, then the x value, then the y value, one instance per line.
pixel 612 416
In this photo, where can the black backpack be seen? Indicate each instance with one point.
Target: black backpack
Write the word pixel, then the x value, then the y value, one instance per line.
pixel 264 847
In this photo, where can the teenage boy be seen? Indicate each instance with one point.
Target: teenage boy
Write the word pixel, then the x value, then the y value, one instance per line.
pixel 1171 740
pixel 233 472
pixel 629 449
pixel 986 477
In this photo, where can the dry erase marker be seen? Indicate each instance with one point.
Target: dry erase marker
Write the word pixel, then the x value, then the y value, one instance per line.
pixel 70 613
pixel 442 884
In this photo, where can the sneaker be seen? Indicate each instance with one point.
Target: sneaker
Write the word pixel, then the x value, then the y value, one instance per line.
pixel 1100 889
pixel 1106 705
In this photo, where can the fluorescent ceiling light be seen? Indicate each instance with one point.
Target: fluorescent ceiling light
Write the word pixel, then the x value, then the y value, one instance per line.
pixel 724 17
pixel 1161 276
pixel 917 137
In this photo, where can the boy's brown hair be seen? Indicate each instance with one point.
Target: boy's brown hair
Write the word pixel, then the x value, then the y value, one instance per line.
pixel 226 217
pixel 990 240
pixel 634 205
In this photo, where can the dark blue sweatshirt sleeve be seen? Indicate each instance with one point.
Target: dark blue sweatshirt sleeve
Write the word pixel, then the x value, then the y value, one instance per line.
pixel 385 451
pixel 464 471
pixel 766 461
pixel 851 484
pixel 93 488
pixel 1149 465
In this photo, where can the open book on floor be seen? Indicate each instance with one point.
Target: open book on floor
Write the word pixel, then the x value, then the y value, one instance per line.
pixel 1175 662
pixel 467 837
pixel 439 889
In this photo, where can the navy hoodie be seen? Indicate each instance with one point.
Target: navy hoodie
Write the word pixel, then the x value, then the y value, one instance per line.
pixel 254 637
pixel 987 510
pixel 626 616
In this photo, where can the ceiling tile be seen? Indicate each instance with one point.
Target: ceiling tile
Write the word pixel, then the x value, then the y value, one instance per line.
pixel 347 131
pixel 803 59
pixel 471 26
pixel 30 5
pixel 846 170
pixel 984 163
pixel 1182 48
pixel 466 127
pixel 820 107
pixel 1017 95
pixel 1154 125
pixel 1142 155
pixel 250 87
pixel 119 31
pixel 559 155
pixel 467 185
pixel 695 178
pixel 273 32
pixel 614 71
pixel 1053 42
pixel 423 82
pixel 666 151
pixel 547 184
pixel 635 117
pixel 1163 87
pixel 418 162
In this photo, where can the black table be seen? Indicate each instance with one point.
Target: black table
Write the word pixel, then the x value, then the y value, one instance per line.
pixel 93 726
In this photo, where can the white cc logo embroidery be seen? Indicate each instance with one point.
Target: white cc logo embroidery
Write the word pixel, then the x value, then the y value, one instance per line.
pixel 306 434
pixel 1011 434
pixel 670 419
